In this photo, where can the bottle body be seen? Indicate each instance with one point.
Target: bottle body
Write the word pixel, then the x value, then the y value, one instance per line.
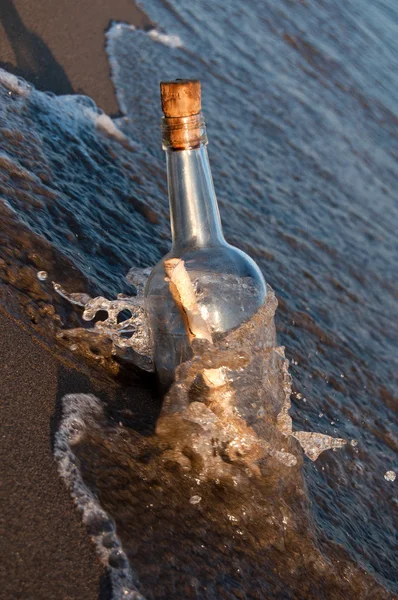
pixel 229 289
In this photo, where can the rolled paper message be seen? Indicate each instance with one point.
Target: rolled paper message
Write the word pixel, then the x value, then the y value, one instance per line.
pixel 183 293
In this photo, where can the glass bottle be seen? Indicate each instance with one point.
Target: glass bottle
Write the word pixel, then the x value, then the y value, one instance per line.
pixel 203 287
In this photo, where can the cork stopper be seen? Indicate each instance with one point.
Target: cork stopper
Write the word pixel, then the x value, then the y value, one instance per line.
pixel 183 125
pixel 180 98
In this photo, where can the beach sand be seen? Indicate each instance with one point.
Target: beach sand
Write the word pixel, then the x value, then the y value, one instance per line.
pixel 59 46
pixel 46 553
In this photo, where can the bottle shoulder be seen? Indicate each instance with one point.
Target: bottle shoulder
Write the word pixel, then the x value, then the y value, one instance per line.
pixel 222 259
pixel 227 284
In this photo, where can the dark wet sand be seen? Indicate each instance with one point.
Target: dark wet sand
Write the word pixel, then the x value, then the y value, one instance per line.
pixel 58 45
pixel 46 553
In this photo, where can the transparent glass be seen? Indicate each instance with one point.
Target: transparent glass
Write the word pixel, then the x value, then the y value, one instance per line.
pixel 229 287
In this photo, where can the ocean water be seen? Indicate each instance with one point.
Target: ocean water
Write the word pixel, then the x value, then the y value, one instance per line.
pixel 301 111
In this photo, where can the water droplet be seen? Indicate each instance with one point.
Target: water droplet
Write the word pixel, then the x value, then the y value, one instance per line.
pixel 195 499
pixel 42 275
pixel 390 476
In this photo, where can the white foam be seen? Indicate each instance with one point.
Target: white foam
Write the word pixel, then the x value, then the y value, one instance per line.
pixel 78 411
pixel 172 41
pixel 107 125
pixel 14 84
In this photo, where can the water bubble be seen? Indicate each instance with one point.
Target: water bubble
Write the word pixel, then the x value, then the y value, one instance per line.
pixel 118 559
pixel 110 541
pixel 195 499
pixel 42 275
pixel 99 524
pixel 390 476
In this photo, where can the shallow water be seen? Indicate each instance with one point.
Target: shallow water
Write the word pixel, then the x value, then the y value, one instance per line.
pixel 211 502
pixel 300 102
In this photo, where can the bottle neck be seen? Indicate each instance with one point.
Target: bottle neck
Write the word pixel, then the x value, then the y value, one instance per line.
pixel 195 219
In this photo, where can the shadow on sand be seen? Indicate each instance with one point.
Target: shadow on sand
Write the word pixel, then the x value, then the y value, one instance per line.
pixel 34 60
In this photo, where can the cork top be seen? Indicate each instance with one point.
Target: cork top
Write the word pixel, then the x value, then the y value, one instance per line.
pixel 180 98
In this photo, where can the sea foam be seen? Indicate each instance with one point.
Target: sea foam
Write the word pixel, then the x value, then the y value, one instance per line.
pixel 78 411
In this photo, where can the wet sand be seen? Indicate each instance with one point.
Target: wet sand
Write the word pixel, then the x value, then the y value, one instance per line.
pixel 59 46
pixel 47 554
pixel 46 551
